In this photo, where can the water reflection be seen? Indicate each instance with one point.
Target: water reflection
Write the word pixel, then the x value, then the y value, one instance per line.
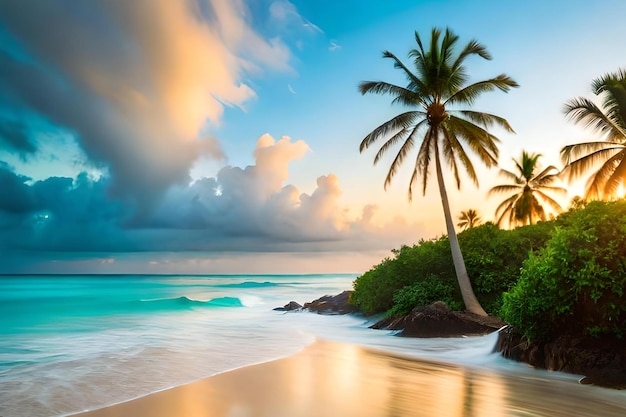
pixel 331 379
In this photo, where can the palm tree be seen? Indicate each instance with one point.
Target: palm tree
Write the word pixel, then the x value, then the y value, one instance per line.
pixel 577 203
pixel 437 84
pixel 526 204
pixel 469 219
pixel 609 120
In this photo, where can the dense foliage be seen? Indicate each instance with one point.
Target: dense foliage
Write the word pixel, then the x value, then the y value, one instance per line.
pixel 374 291
pixel 576 284
pixel 423 273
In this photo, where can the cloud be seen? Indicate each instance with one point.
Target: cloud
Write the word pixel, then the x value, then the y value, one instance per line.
pixel 136 82
pixel 257 211
pixel 290 88
pixel 15 135
pixel 334 46
pixel 286 12
pixel 15 194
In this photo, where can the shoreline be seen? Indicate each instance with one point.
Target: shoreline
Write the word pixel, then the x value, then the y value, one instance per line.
pixel 333 378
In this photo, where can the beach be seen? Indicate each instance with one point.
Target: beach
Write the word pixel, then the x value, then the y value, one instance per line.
pixel 340 379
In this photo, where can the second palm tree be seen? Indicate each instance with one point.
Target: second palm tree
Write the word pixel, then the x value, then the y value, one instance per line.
pixel 528 188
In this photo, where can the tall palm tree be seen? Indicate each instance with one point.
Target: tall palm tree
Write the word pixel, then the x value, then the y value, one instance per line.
pixel 437 84
pixel 609 120
pixel 469 219
pixel 526 204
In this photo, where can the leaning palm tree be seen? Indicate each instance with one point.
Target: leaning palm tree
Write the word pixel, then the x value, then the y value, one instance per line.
pixel 609 154
pixel 528 188
pixel 468 219
pixel 441 132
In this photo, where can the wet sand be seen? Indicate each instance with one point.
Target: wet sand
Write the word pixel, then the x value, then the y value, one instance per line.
pixel 343 380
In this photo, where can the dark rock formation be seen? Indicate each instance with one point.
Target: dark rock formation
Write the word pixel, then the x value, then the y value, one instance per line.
pixel 602 361
pixel 333 304
pixel 292 305
pixel 436 320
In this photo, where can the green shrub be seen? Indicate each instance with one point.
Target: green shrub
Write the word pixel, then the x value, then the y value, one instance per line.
pixel 424 292
pixel 375 289
pixel 493 258
pixel 421 274
pixel 575 285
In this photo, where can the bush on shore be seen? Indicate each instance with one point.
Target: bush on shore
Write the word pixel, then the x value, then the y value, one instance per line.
pixel 575 286
pixel 423 273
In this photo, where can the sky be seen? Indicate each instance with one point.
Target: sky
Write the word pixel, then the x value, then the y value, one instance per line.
pixel 222 136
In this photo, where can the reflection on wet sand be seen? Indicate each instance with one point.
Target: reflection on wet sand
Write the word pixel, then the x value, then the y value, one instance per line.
pixel 333 379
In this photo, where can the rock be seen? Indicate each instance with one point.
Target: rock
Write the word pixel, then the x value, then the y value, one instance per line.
pixel 332 304
pixel 436 320
pixel 602 361
pixel 292 305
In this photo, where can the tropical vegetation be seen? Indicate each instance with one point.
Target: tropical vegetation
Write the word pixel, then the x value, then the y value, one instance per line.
pixel 561 277
pixel 529 191
pixel 423 273
pixel 468 219
pixel 606 159
pixel 576 284
pixel 434 88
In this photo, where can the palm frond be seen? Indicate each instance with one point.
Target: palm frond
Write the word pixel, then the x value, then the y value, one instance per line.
pixel 613 86
pixel 422 161
pixel 481 142
pixel 604 173
pixel 502 189
pixel 584 111
pixel 401 135
pixel 576 168
pixel 454 149
pixel 393 126
pixel 506 207
pixel 470 93
pixel 618 177
pixel 393 140
pixel 447 45
pixel 415 83
pixel 384 88
pixel 545 174
pixel 511 176
pixel 473 47
pixel 570 153
pixel 397 161
pixel 546 199
pixel 485 119
pixel 450 154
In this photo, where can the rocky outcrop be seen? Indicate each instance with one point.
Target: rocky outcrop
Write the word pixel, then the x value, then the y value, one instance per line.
pixel 332 304
pixel 436 320
pixel 602 361
pixel 290 306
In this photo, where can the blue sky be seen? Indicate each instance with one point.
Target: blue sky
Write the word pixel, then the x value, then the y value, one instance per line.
pixel 215 136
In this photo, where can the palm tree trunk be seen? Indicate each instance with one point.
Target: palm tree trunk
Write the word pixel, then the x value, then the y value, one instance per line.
pixel 471 303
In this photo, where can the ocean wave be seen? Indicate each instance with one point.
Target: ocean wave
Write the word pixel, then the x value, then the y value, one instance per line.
pixel 185 302
pixel 250 284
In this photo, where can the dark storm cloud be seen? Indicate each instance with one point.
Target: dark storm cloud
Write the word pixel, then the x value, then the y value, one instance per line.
pixel 241 209
pixel 15 196
pixel 15 136
pixel 134 81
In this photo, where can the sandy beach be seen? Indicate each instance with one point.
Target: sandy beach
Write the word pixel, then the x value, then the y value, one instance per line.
pixel 337 379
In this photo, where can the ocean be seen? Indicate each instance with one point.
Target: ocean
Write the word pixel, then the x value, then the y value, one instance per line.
pixel 74 343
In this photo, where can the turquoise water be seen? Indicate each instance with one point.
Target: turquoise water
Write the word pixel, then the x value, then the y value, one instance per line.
pixel 72 343
pixel 69 343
